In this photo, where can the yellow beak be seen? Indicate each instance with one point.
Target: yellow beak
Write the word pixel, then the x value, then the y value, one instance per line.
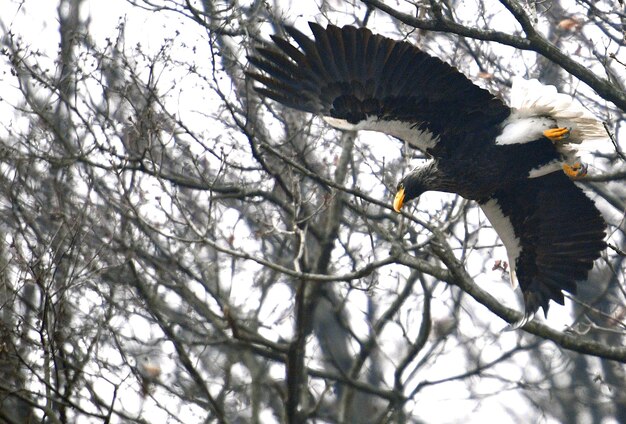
pixel 398 201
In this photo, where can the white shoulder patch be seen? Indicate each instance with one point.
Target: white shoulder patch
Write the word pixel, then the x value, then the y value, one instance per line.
pixel 504 228
pixel 403 130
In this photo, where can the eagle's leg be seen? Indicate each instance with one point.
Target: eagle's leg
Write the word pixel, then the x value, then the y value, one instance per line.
pixel 556 134
pixel 576 170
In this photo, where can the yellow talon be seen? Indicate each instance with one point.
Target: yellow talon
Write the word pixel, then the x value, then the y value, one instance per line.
pixel 557 134
pixel 575 171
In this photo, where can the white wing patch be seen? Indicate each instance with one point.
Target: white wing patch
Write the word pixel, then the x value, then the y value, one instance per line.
pixel 504 228
pixel 403 130
pixel 546 169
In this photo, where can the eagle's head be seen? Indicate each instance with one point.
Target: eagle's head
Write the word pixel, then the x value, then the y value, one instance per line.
pixel 421 179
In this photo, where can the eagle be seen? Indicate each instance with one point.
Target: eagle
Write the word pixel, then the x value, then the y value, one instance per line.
pixel 517 162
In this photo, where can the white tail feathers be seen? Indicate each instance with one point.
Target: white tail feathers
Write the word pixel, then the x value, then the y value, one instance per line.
pixel 531 98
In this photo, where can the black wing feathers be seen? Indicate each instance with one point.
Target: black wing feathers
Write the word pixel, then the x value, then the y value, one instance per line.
pixel 561 234
pixel 352 74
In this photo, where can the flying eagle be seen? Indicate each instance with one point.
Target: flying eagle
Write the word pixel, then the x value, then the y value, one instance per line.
pixel 517 162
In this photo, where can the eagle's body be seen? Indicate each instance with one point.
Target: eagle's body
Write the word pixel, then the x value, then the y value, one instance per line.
pixel 508 159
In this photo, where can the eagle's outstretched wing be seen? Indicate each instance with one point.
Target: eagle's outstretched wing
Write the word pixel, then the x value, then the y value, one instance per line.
pixel 552 233
pixel 359 80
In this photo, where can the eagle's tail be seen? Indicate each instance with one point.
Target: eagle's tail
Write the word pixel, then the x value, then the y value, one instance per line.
pixel 531 98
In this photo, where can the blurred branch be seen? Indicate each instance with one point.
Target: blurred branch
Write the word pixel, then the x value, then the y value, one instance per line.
pixel 534 41
pixel 185 360
pixel 459 277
